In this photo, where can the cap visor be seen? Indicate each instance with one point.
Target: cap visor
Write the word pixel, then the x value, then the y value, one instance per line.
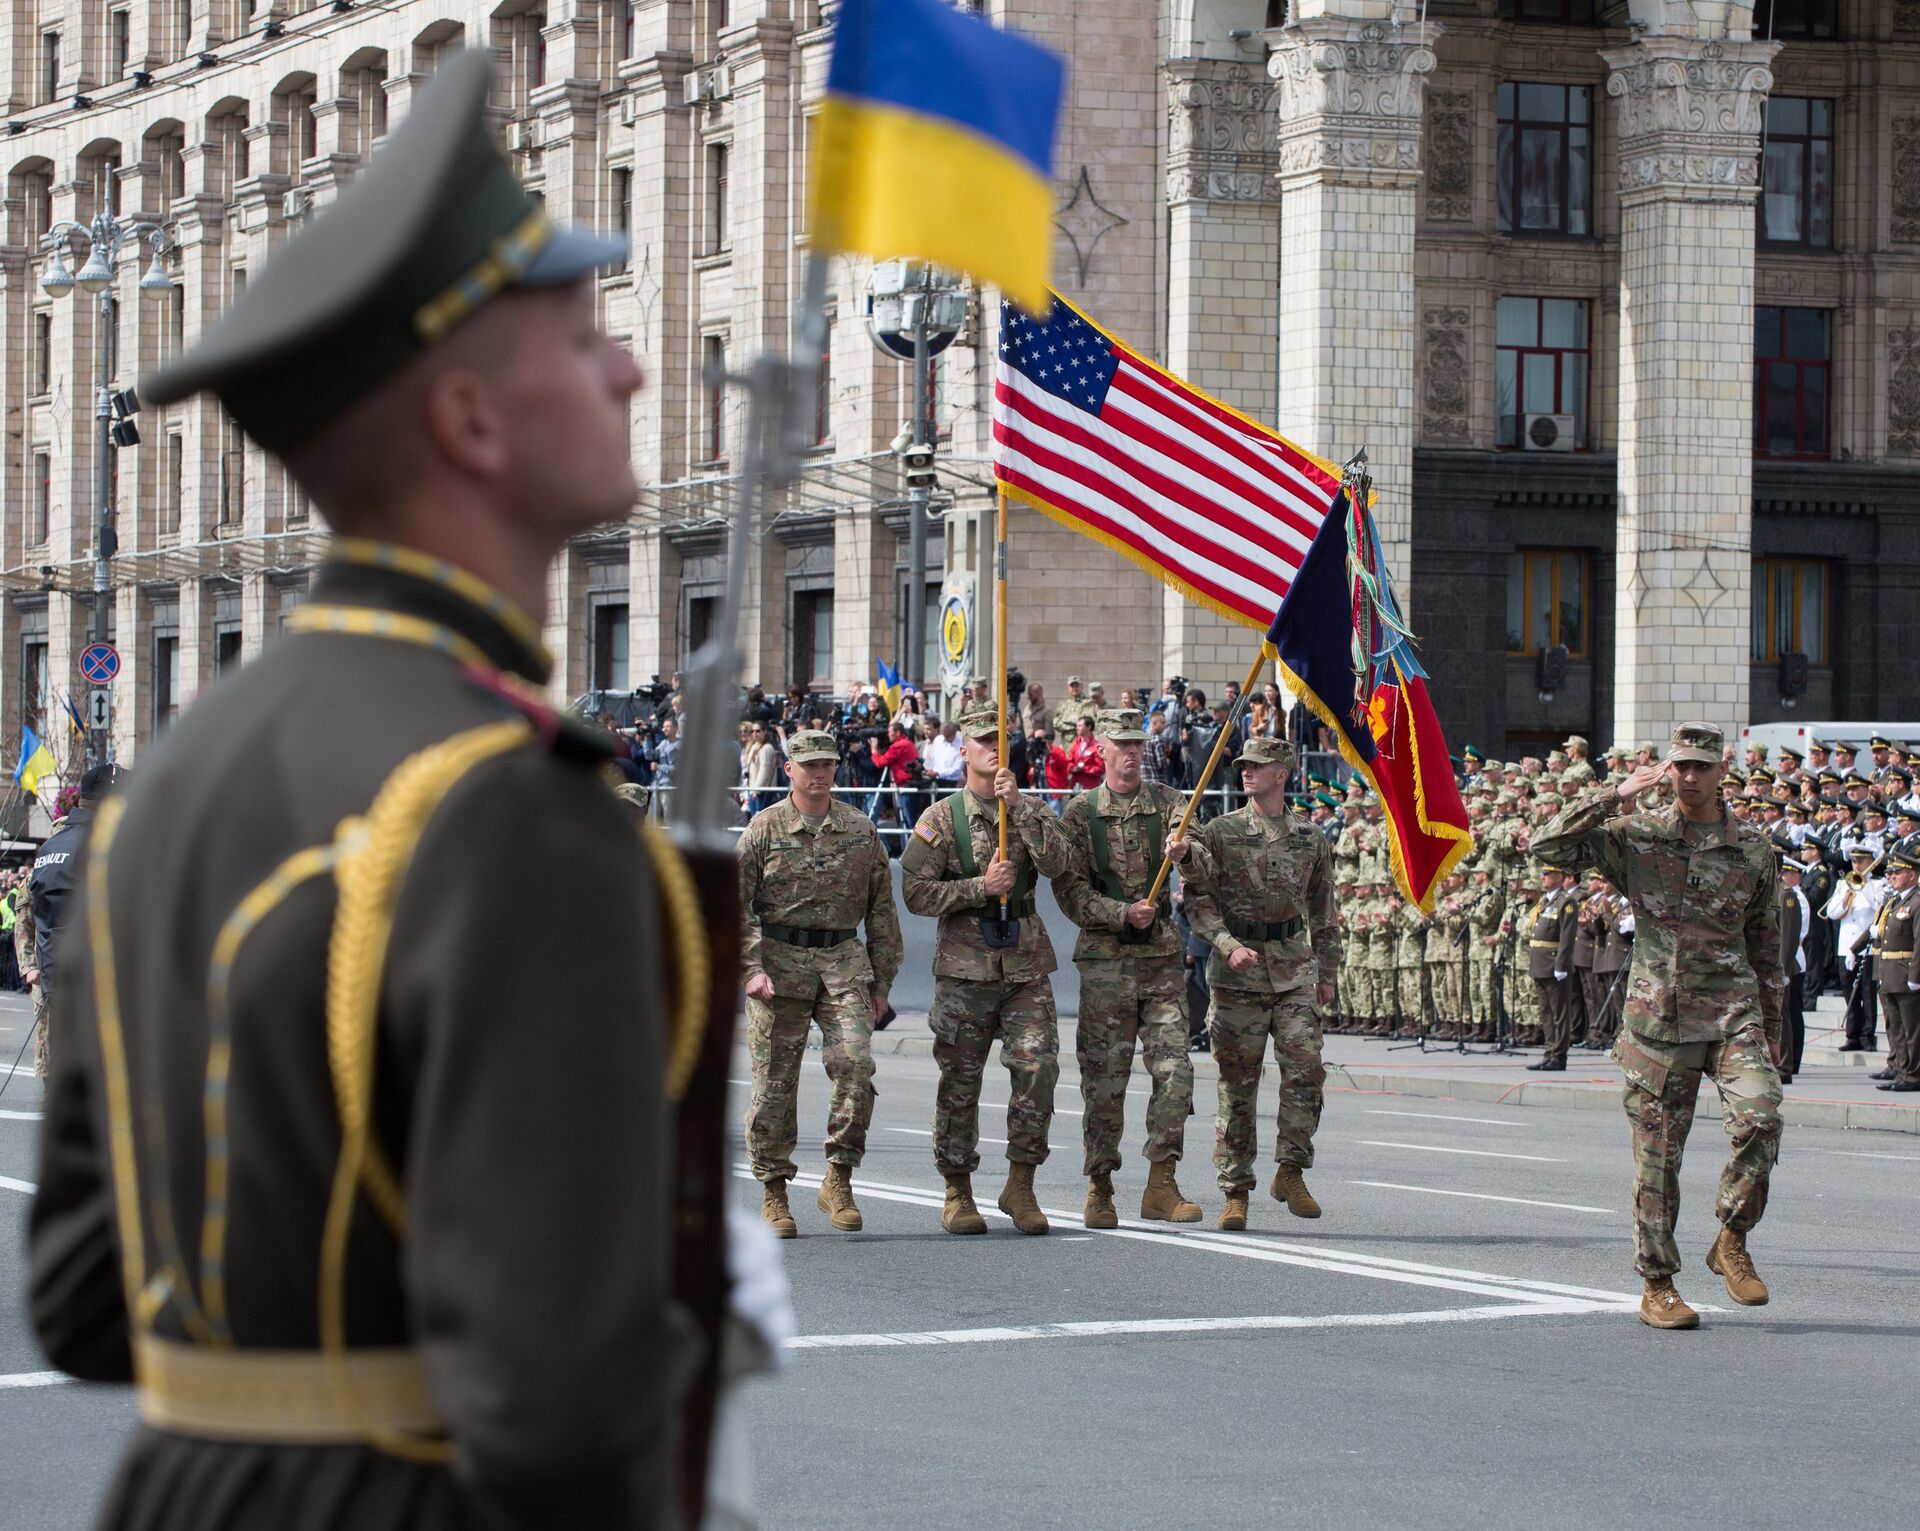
pixel 1703 757
pixel 570 255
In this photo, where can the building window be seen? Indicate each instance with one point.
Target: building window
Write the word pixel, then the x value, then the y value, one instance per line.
pixel 1571 13
pixel 173 326
pixel 719 237
pixel 1796 175
pixel 226 647
pixel 120 45
pixel 1796 20
pixel 1546 159
pixel 701 610
pixel 1540 363
pixel 182 28
pixel 537 24
pixel 166 680
pixel 627 27
pixel 49 66
pixel 609 647
pixel 622 199
pixel 42 525
pixel 35 680
pixel 1547 601
pixel 713 374
pixel 42 353
pixel 1792 385
pixel 813 637
pixel 823 397
pixel 1789 609
pixel 233 476
pixel 176 477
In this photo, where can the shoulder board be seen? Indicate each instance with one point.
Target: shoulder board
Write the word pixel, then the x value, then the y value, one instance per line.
pixel 559 733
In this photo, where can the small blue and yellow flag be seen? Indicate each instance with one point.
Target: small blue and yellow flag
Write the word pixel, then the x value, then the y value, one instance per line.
pixel 936 142
pixel 36 761
pixel 889 684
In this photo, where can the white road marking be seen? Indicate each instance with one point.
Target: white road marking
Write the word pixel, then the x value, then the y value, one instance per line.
pixel 922 1132
pixel 1110 1328
pixel 1435 1116
pixel 1001 1105
pixel 1273 1251
pixel 1856 1153
pixel 1476 1153
pixel 20 1116
pixel 1518 1201
pixel 33 1379
pixel 8 1183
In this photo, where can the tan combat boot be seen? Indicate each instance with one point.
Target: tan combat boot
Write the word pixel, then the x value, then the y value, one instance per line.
pixel 775 1212
pixel 1729 1260
pixel 836 1198
pixel 960 1215
pixel 1016 1200
pixel 1233 1216
pixel 1099 1211
pixel 1661 1307
pixel 1162 1202
pixel 1288 1186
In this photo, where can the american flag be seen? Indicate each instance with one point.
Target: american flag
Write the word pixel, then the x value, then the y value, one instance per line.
pixel 1101 440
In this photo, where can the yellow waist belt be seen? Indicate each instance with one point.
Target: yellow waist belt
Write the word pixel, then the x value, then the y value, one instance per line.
pixel 286 1396
pixel 1543 943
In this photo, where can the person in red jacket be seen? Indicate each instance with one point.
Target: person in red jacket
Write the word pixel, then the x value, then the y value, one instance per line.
pixel 1049 766
pixel 899 762
pixel 1085 766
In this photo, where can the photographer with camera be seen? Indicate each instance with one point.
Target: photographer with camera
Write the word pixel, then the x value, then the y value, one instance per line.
pixel 900 761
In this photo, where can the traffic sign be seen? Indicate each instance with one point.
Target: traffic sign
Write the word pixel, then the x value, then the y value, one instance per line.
pixel 100 662
pixel 99 707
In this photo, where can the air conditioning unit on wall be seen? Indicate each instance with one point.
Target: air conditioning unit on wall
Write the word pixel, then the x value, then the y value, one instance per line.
pixel 1548 433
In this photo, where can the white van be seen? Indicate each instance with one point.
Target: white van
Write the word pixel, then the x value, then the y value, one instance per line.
pixel 1772 736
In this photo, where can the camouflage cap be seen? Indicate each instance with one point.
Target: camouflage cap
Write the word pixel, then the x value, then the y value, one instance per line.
pixel 1098 687
pixel 633 794
pixel 1493 765
pixel 1260 751
pixel 1700 742
pixel 1122 726
pixel 1574 742
pixel 980 721
pixel 812 744
pixel 1073 680
pixel 1556 758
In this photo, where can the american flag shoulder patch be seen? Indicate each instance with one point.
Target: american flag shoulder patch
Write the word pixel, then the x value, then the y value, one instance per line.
pixel 925 834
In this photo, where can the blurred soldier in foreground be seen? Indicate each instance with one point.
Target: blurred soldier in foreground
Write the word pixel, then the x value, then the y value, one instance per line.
pixel 1703 997
pixel 375 1207
pixel 986 985
pixel 1132 973
pixel 811 870
pixel 1260 892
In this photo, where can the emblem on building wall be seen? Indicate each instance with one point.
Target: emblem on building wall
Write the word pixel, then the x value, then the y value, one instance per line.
pixel 1450 157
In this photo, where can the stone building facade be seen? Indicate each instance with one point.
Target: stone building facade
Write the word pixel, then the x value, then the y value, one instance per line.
pixel 1623 299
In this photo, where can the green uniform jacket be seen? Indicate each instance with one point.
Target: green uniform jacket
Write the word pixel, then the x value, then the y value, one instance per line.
pixel 1706 940
pixel 833 878
pixel 934 883
pixel 1252 867
pixel 1130 858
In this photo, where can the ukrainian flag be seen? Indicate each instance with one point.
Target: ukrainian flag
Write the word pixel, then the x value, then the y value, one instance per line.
pixel 935 142
pixel 889 684
pixel 36 761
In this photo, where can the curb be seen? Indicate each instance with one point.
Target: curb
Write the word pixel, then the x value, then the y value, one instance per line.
pixel 1859 1116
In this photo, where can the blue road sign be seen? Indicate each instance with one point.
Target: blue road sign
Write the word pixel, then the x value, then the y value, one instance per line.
pixel 99 662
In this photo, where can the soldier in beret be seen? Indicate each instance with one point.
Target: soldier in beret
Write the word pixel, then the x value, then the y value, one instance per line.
pixel 1704 997
pixel 812 871
pixel 375 1208
pixel 1132 973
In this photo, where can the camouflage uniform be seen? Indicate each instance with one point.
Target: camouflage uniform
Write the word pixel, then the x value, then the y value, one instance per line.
pixel 1409 960
pixel 1380 982
pixel 1483 920
pixel 1068 712
pixel 1447 961
pixel 1249 868
pixel 26 954
pixel 1129 994
pixel 1704 993
pixel 981 993
pixel 797 879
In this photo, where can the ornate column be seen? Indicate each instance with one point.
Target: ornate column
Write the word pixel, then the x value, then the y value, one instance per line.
pixel 1223 301
pixel 1689 135
pixel 1351 87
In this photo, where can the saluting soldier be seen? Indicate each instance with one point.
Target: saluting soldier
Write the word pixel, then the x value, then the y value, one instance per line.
pixel 1132 973
pixel 1703 997
pixel 1484 912
pixel 812 870
pixel 990 975
pixel 1613 955
pixel 1550 965
pixel 1260 893
pixel 374 1205
pixel 1894 930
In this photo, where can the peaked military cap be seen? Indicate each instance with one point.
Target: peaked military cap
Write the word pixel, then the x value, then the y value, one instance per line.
pixel 1697 741
pixel 1879 742
pixel 980 721
pixel 1470 753
pixel 1259 751
pixel 1121 725
pixel 812 744
pixel 1788 752
pixel 1904 855
pixel 1760 774
pixel 1844 748
pixel 435 226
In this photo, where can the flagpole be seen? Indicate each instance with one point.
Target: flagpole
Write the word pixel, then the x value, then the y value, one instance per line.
pixel 1000 662
pixel 1213 761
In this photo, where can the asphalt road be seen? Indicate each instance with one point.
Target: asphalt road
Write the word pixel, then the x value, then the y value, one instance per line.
pixel 1453 1344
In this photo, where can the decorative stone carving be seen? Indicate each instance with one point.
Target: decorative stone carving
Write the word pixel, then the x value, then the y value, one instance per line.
pixel 1220 143
pixel 1350 97
pixel 1906 179
pixel 1085 221
pixel 1690 114
pixel 1906 15
pixel 1819 282
pixel 1903 392
pixel 1448 377
pixel 1450 157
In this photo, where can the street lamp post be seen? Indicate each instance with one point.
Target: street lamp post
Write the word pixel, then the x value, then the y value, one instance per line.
pixel 105 237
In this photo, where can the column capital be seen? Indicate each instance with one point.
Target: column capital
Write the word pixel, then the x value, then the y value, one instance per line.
pixel 1690 115
pixel 1350 94
pixel 1220 132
